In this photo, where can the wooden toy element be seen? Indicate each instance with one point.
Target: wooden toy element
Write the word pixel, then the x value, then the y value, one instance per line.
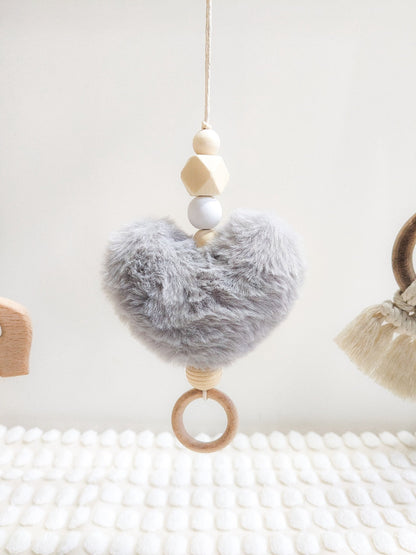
pixel 15 339
pixel 203 381
pixel 204 308
pixel 381 341
pixel 206 141
pixel 205 174
pixel 402 256
pixel 203 237
pixel 201 446
pixel 204 212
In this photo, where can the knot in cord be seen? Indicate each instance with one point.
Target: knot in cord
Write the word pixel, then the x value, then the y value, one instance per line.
pixel 402 304
pixel 401 313
pixel 407 300
pixel 400 319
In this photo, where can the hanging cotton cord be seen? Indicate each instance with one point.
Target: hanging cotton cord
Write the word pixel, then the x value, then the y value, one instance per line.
pixel 208 33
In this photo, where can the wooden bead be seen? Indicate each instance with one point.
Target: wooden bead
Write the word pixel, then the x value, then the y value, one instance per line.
pixel 204 212
pixel 15 339
pixel 206 141
pixel 203 379
pixel 203 237
pixel 204 174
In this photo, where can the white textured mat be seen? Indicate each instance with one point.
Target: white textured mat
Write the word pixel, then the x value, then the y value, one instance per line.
pixel 131 493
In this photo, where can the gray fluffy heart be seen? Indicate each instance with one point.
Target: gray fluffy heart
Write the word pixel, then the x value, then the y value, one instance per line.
pixel 206 306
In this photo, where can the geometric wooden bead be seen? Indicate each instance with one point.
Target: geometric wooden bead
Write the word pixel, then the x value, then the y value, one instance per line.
pixel 205 174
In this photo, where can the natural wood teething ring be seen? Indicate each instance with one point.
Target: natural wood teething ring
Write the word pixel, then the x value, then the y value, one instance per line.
pixel 201 446
pixel 402 257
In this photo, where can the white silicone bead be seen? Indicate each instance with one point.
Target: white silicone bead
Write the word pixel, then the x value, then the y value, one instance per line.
pixel 204 212
pixel 206 141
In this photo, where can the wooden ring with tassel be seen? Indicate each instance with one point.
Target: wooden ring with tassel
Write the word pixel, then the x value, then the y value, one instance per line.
pixel 402 256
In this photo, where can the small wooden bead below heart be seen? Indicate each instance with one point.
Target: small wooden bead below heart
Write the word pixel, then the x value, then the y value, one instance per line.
pixel 203 379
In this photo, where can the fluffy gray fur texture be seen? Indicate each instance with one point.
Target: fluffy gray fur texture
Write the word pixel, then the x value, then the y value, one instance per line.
pixel 206 306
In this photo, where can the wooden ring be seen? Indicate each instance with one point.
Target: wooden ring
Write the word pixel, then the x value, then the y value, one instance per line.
pixel 204 446
pixel 402 256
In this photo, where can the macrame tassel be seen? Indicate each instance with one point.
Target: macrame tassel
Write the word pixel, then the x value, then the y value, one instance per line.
pixel 397 369
pixel 366 338
pixel 381 341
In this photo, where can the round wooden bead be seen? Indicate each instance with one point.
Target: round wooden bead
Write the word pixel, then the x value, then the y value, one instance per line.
pixel 203 379
pixel 203 237
pixel 206 141
pixel 204 212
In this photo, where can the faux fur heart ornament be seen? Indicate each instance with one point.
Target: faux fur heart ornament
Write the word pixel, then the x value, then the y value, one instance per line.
pixel 206 306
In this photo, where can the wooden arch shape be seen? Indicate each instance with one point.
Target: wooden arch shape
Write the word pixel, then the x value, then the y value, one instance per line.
pixel 15 339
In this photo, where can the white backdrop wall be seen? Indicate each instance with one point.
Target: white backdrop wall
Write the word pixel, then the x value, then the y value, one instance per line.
pixel 99 101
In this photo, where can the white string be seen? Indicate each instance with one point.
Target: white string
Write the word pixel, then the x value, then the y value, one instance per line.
pixel 208 32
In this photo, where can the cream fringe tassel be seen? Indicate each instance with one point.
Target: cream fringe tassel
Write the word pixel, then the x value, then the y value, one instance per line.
pixel 381 341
